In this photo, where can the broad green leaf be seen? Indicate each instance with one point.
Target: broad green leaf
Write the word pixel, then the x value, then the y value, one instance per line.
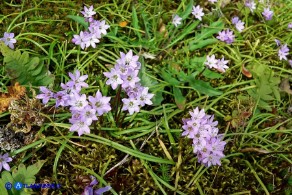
pixel 2 188
pixel 157 99
pixel 25 69
pixel 168 78
pixel 180 100
pixel 7 177
pixel 79 20
pixel 187 11
pixel 211 75
pixel 204 87
pixel 32 170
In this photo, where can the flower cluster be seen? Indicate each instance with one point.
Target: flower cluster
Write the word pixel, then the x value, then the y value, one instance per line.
pixel 207 144
pixel 226 36
pixel 220 64
pixel 239 25
pixel 90 191
pixel 4 160
pixel 125 74
pixel 8 39
pixel 95 30
pixel 84 111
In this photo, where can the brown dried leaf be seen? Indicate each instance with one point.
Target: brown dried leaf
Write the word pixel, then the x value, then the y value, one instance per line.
pixel 14 93
pixel 246 72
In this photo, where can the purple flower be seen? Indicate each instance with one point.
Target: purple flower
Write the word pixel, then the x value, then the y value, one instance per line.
pixel 250 4
pixel 211 62
pixel 129 60
pixel 4 160
pixel 239 25
pixel 77 102
pixel 131 104
pixel 278 42
pixel 46 95
pixel 145 97
pixel 100 103
pixel 61 98
pixel 221 65
pixel 130 79
pixel 283 52
pixel 88 115
pixel 88 12
pixel 227 36
pixel 268 14
pixel 114 78
pixel 198 12
pixel 90 191
pixel 176 20
pixel 77 81
pixel 290 25
pixel 82 39
pixel 80 127
pixel 8 39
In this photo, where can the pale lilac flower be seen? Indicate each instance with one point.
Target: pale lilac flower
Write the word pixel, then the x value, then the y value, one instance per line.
pixel 99 27
pixel 278 42
pixel 268 14
pixel 88 115
pixel 211 62
pixel 250 4
pixel 212 1
pixel 88 12
pixel 4 160
pixel 77 81
pixel 77 102
pixel 197 114
pixel 61 98
pixel 129 60
pixel 283 52
pixel 198 12
pixel 82 39
pixel 130 79
pixel 80 127
pixel 8 39
pixel 239 25
pixel 92 40
pixel 131 104
pixel 227 36
pixel 90 191
pixel 114 78
pixel 46 95
pixel 145 97
pixel 176 20
pixel 234 20
pixel 290 25
pixel 221 65
pixel 76 117
pixel 100 103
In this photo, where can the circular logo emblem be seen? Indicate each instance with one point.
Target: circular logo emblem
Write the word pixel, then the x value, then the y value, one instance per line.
pixel 8 186
pixel 18 185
